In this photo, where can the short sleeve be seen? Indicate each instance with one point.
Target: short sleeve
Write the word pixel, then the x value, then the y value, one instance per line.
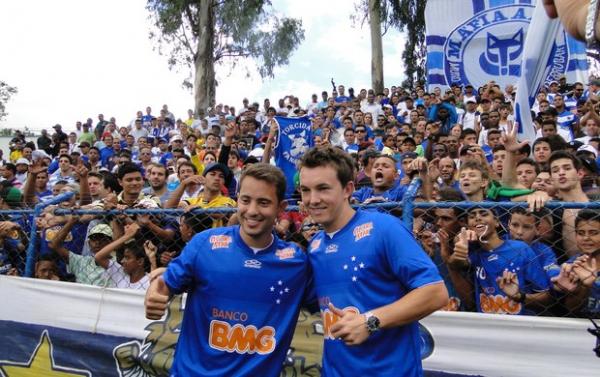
pixel 180 274
pixel 408 261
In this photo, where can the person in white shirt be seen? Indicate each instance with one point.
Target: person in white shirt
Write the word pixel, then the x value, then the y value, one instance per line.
pixel 371 106
pixel 470 116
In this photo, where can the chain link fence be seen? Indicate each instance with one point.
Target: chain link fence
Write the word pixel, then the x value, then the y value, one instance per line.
pixel 495 257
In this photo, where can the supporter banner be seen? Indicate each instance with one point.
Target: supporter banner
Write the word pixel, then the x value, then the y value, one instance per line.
pixel 294 138
pixel 542 48
pixel 57 329
pixel 476 41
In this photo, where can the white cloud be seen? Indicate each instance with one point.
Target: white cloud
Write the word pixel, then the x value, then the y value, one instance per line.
pixel 73 60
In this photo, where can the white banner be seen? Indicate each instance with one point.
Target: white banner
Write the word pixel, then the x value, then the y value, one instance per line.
pixel 110 327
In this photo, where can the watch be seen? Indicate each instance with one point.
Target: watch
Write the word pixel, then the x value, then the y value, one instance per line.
pixel 371 322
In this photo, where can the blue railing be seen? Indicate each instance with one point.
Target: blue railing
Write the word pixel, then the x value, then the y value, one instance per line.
pixel 408 205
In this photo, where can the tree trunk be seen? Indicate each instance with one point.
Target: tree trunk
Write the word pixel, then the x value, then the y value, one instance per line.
pixel 204 79
pixel 376 48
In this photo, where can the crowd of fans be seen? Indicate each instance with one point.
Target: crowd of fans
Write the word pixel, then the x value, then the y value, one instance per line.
pixel 458 145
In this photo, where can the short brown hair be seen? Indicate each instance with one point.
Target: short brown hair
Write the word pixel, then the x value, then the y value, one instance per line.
pixel 267 173
pixel 474 165
pixel 329 156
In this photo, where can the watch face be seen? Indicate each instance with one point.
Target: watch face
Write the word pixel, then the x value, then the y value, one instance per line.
pixel 373 324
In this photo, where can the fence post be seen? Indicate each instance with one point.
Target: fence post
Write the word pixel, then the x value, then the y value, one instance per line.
pixel 37 211
pixel 408 200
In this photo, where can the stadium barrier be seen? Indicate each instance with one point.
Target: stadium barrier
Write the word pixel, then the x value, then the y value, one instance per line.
pixel 427 220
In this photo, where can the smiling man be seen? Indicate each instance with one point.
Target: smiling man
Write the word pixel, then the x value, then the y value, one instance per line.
pixel 244 285
pixel 372 278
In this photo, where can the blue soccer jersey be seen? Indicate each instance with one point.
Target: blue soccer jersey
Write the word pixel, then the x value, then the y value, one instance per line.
pixel 241 308
pixel 394 194
pixel 514 256
pixel 371 262
pixel 547 258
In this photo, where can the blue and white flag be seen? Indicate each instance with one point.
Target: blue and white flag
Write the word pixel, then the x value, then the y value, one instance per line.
pixel 476 41
pixel 293 140
pixel 545 55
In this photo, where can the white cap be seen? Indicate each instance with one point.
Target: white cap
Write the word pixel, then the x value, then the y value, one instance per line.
pixel 22 160
pixel 588 148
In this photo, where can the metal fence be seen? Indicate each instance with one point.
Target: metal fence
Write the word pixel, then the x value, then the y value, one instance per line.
pixel 116 248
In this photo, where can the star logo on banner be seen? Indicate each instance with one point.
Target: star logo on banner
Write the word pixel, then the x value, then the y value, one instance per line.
pixel 40 363
pixel 354 266
pixel 278 291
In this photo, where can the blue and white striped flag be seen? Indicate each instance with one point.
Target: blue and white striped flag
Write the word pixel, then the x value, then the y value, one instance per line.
pixel 545 58
pixel 476 41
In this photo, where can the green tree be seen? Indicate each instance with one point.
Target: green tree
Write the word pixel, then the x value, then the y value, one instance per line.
pixel 6 92
pixel 407 16
pixel 199 34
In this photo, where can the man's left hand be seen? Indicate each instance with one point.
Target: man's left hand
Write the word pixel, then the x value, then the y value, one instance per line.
pixel 350 328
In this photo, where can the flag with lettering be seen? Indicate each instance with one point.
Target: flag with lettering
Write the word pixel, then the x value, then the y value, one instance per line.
pixel 477 41
pixel 545 54
pixel 293 140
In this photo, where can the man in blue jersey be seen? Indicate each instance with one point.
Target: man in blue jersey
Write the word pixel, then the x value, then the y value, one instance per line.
pixel 244 285
pixel 372 278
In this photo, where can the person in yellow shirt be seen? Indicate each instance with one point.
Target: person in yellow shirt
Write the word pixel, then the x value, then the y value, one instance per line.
pixel 16 152
pixel 216 176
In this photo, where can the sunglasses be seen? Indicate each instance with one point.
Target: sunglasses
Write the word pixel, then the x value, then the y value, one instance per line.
pixel 308 226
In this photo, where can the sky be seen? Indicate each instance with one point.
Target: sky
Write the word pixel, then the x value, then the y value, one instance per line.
pixel 71 60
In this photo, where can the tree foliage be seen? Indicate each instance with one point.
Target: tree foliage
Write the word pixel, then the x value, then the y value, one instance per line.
pixel 6 92
pixel 232 31
pixel 407 16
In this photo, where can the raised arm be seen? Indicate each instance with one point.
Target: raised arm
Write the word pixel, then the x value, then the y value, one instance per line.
pixel 57 242
pixel 103 256
pixel 29 190
pixel 512 145
pixel 269 144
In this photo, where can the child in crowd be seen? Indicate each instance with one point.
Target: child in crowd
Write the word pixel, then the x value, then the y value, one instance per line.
pixel 507 273
pixel 131 272
pixel 524 226
pixel 580 276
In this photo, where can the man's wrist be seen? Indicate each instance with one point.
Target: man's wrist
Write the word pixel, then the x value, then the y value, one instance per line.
pixel 372 322
pixel 520 297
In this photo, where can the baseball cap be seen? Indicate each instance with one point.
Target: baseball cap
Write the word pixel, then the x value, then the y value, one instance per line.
pixel 585 148
pixel 594 82
pixel 176 138
pixel 57 126
pixel 22 160
pixel 589 164
pixel 218 166
pixel 102 229
pixel 575 144
pixel 408 155
pixel 11 195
